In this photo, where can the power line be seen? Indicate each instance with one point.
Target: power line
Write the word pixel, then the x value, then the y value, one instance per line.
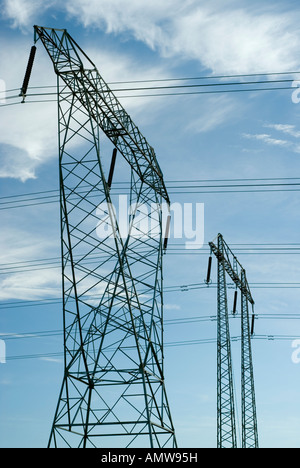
pixel 19 201
pixel 168 322
pixel 202 78
pixel 186 86
pixel 168 289
pixel 171 344
pixel 169 182
pixel 169 87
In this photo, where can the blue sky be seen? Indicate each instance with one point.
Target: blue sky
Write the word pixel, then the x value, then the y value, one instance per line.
pixel 196 137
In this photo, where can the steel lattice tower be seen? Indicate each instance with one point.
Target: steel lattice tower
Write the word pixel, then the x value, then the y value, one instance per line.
pixel 249 417
pixel 226 434
pixel 226 418
pixel 113 391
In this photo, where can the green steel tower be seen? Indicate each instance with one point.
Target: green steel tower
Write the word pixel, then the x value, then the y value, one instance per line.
pixel 226 417
pixel 113 391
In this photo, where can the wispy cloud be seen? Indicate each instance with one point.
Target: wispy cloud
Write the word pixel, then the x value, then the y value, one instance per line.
pixel 49 359
pixel 172 307
pixel 225 38
pixel 23 12
pixel 265 138
pixel 213 114
pixel 285 128
pixel 272 140
pixel 22 281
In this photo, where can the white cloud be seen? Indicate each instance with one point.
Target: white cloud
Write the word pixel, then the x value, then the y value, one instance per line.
pixel 30 285
pixel 214 112
pixel 231 37
pixel 267 139
pixel 172 307
pixel 287 129
pixel 142 18
pixel 223 38
pixel 17 246
pixel 47 359
pixel 28 135
pixel 236 40
pixel 21 12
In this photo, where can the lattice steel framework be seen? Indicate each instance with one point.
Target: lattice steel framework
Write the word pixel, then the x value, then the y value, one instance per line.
pixel 249 417
pixel 113 391
pixel 226 422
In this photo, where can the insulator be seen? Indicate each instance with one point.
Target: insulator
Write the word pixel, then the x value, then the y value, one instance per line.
pixel 209 270
pixel 28 71
pixel 252 325
pixel 235 302
pixel 112 167
pixel 167 232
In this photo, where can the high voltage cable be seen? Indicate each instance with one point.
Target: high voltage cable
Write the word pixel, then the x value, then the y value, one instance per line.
pixel 178 321
pixel 227 91
pixel 186 192
pixel 236 83
pixel 55 262
pixel 249 247
pixel 167 345
pixel 168 289
pixel 186 86
pixel 171 182
pixel 221 84
pixel 211 77
pixel 172 189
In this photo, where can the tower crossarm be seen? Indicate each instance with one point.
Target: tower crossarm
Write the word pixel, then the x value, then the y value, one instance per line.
pixel 82 77
pixel 233 268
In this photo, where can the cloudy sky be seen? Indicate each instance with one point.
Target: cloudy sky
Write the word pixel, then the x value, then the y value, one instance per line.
pixel 204 140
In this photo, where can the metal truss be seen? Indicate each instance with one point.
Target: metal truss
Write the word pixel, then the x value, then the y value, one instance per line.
pixel 113 392
pixel 226 425
pixel 226 431
pixel 249 417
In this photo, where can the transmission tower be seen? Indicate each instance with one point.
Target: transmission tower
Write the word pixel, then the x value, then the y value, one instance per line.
pixel 226 418
pixel 113 391
pixel 249 417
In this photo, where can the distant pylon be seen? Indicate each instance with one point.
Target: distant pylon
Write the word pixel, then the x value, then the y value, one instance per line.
pixel 113 391
pixel 249 417
pixel 226 434
pixel 226 417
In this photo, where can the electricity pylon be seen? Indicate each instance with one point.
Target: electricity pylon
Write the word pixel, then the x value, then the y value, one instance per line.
pixel 249 417
pixel 226 418
pixel 113 391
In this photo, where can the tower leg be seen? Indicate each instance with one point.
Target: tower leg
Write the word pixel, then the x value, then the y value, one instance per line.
pixel 249 418
pixel 226 424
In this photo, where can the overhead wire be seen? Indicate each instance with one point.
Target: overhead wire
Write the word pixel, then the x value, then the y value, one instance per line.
pixel 174 187
pixel 48 301
pixel 185 86
pixel 171 344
